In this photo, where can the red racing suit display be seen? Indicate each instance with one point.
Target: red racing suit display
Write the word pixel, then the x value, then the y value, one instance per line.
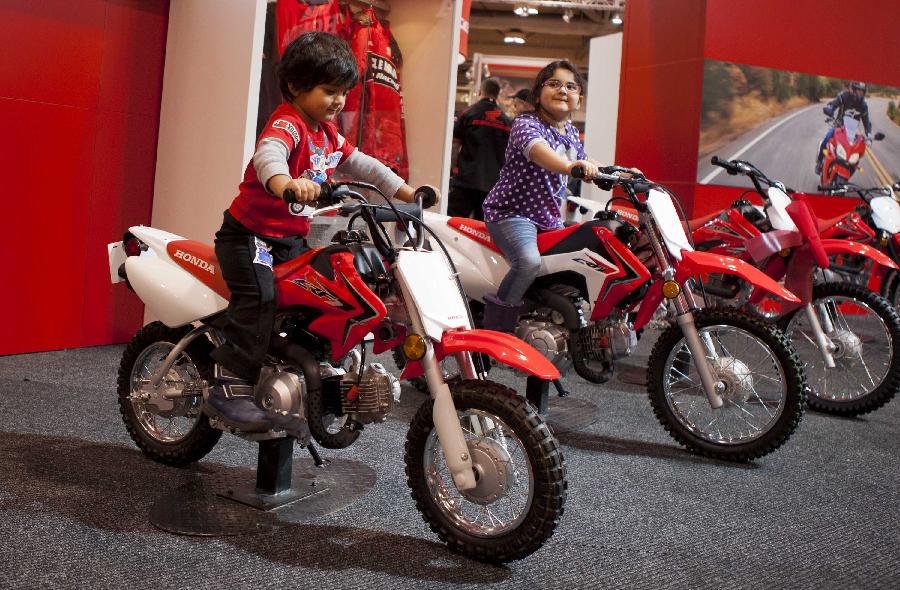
pixel 295 17
pixel 376 103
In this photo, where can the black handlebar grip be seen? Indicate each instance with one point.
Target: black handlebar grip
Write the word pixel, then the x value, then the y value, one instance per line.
pixel 428 194
pixel 715 161
pixel 289 196
pixel 577 172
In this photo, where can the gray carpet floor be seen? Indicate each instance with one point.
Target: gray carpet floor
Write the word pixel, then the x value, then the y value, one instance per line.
pixel 821 512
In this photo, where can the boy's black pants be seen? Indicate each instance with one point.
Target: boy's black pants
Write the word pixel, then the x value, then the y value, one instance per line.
pixel 246 260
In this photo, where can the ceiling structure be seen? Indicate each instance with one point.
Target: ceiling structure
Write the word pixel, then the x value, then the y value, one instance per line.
pixel 560 29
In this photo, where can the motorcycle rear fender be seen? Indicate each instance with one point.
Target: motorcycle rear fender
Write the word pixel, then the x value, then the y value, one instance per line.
pixel 833 246
pixel 704 263
pixel 505 348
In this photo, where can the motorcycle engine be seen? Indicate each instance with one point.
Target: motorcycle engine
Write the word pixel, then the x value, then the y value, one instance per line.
pixel 281 394
pixel 547 337
pixel 371 397
pixel 608 340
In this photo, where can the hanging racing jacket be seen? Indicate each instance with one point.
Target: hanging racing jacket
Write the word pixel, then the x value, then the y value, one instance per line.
pixel 373 114
pixel 295 17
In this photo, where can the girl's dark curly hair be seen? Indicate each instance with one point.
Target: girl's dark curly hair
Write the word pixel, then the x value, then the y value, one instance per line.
pixel 316 58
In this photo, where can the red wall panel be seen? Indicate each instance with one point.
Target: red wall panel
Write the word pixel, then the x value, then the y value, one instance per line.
pixel 80 88
pixel 835 38
pixel 42 222
pixel 659 106
pixel 52 51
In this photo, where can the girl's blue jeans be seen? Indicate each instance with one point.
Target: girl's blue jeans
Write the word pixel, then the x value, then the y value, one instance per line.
pixel 517 239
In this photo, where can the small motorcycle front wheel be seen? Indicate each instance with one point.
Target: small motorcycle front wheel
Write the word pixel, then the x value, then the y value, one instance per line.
pixel 865 331
pixel 178 433
pixel 760 378
pixel 519 467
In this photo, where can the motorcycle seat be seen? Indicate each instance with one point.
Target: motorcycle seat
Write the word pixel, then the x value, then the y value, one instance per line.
pixel 701 221
pixel 825 224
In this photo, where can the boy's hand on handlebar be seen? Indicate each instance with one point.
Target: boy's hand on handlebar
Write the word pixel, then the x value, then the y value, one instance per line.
pixel 304 190
pixel 589 169
pixel 431 196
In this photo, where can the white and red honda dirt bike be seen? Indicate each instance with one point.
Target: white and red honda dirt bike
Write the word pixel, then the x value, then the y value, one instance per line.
pixel 485 470
pixel 722 383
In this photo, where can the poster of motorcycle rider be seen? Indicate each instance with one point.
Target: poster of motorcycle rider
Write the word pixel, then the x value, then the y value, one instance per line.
pixel 809 131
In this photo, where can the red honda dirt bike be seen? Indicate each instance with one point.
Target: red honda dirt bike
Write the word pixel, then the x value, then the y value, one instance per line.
pixel 722 383
pixel 485 470
pixel 874 222
pixel 847 336
pixel 844 151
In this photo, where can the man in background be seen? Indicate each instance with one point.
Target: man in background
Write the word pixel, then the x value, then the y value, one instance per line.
pixel 522 102
pixel 482 132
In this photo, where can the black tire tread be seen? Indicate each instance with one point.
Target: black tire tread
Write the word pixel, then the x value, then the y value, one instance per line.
pixel 544 453
pixel 203 437
pixel 784 352
pixel 888 388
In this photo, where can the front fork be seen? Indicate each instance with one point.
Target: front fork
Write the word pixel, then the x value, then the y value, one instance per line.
pixel 446 422
pixel 820 329
pixel 702 348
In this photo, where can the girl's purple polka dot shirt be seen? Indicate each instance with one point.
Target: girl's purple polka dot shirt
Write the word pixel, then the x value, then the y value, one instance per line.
pixel 524 188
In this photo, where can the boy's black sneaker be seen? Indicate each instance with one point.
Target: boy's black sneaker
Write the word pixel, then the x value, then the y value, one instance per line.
pixel 232 398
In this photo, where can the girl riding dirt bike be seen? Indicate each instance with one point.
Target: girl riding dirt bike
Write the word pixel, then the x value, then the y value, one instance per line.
pixel 722 383
pixel 485 471
pixel 847 336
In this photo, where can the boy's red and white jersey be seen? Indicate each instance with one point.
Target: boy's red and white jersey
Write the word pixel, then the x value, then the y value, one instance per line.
pixel 314 154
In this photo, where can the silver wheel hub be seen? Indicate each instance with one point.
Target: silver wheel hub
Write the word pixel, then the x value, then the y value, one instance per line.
pixel 491 463
pixel 846 344
pixel 735 379
pixel 152 407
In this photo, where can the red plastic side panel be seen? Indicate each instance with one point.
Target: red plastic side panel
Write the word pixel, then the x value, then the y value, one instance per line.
pixel 547 240
pixel 703 263
pixel 649 304
pixel 630 274
pixel 199 259
pixel 350 309
pixel 848 247
pixel 474 229
pixel 506 348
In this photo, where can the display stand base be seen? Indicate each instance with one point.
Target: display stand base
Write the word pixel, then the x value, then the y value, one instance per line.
pixel 631 374
pixel 287 491
pixel 564 413
pixel 571 414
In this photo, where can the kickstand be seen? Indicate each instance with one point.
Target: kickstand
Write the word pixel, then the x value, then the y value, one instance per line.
pixel 559 388
pixel 317 459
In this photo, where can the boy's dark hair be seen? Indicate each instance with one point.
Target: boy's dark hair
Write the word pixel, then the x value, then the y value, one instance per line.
pixel 490 88
pixel 316 58
pixel 547 73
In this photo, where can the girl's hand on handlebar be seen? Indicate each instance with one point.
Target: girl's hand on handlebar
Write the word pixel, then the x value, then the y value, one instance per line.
pixel 304 189
pixel 589 168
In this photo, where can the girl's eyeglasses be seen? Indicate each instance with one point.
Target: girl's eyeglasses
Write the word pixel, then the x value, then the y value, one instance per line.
pixel 571 87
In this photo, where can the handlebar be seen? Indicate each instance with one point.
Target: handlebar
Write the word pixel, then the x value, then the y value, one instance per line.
pixel 609 176
pixel 756 175
pixel 332 198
